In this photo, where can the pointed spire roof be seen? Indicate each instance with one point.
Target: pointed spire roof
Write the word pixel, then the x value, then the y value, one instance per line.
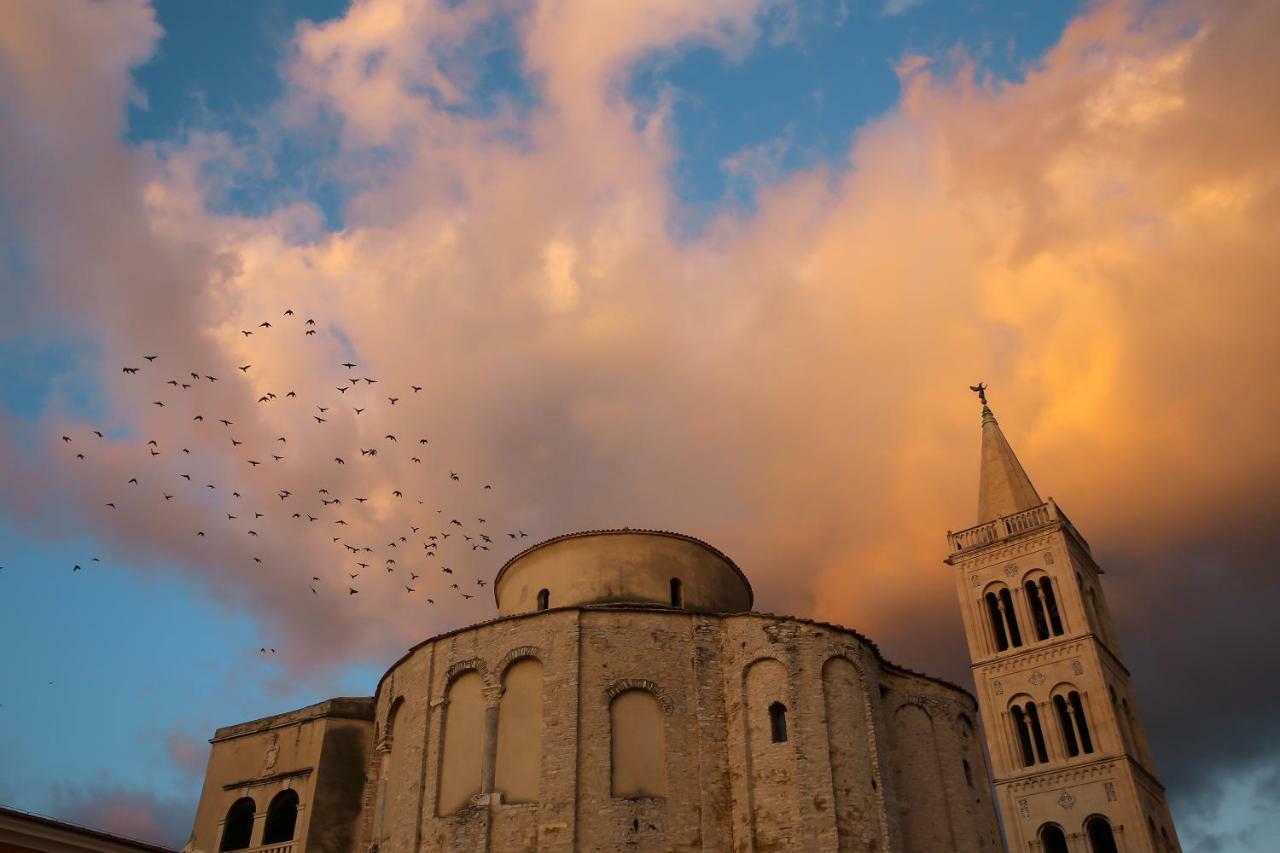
pixel 1003 487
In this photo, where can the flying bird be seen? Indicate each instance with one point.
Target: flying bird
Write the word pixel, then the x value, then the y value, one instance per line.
pixel 151 357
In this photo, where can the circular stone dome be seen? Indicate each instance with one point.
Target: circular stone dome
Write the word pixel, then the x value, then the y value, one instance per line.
pixel 622 567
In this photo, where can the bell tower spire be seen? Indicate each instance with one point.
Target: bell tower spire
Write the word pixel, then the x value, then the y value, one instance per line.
pixel 1003 486
pixel 1072 766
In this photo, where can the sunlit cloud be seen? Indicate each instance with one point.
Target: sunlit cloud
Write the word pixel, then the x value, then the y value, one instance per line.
pixel 1095 241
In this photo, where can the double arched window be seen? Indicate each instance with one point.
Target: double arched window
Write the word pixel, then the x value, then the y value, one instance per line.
pixel 1029 734
pixel 237 829
pixel 1071 720
pixel 1045 618
pixel 1004 620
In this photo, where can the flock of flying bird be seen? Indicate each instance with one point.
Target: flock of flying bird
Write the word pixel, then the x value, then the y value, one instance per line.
pixel 415 553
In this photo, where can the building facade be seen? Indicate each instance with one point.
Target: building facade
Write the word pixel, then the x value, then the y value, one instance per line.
pixel 626 698
pixel 1072 767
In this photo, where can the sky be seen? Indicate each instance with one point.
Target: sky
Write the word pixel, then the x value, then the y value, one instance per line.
pixel 722 267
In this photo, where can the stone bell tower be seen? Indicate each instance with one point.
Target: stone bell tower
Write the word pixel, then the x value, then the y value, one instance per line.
pixel 1072 766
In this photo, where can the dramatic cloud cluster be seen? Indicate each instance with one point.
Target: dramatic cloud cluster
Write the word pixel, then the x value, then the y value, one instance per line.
pixel 1095 241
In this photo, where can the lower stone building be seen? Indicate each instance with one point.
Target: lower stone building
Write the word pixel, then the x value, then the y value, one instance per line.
pixel 626 698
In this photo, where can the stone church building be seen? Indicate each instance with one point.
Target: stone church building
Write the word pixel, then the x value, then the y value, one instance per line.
pixel 628 698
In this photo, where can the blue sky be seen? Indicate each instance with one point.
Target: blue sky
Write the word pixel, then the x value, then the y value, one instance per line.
pixel 113 673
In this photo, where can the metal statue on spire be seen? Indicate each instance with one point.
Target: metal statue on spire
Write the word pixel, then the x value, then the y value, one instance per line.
pixel 981 390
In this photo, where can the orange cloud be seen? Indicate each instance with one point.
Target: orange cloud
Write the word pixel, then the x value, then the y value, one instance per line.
pixel 1094 241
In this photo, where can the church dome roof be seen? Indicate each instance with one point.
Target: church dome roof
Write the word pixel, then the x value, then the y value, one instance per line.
pixel 622 566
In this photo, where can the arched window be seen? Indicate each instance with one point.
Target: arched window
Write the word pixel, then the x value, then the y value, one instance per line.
pixel 1045 619
pixel 1026 723
pixel 1053 839
pixel 1101 838
pixel 544 599
pixel 238 828
pixel 778 722
pixel 1004 621
pixel 519 750
pixel 1051 605
pixel 638 749
pixel 282 817
pixel 997 622
pixel 1010 617
pixel 677 593
pixel 1065 724
pixel 1039 619
pixel 1071 719
pixel 463 744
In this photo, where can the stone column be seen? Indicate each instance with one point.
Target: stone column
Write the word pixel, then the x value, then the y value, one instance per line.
pixel 489 761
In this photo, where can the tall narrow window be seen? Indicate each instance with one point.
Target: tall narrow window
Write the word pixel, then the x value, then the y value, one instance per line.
pixel 1037 733
pixel 1023 732
pixel 1010 617
pixel 1068 729
pixel 1051 605
pixel 544 599
pixel 282 818
pixel 968 772
pixel 997 622
pixel 1039 618
pixel 238 827
pixel 1053 839
pixel 677 593
pixel 1082 725
pixel 778 722
pixel 1101 838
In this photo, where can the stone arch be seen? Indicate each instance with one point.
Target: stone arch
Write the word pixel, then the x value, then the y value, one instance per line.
pixel 1052 838
pixel 512 657
pixel 918 782
pixel 625 684
pixel 282 818
pixel 1102 839
pixel 772 775
pixel 518 762
pixel 462 738
pixel 461 667
pixel 237 828
pixel 637 743
pixel 855 788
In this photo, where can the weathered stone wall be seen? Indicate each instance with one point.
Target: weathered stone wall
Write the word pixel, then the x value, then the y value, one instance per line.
pixel 874 757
